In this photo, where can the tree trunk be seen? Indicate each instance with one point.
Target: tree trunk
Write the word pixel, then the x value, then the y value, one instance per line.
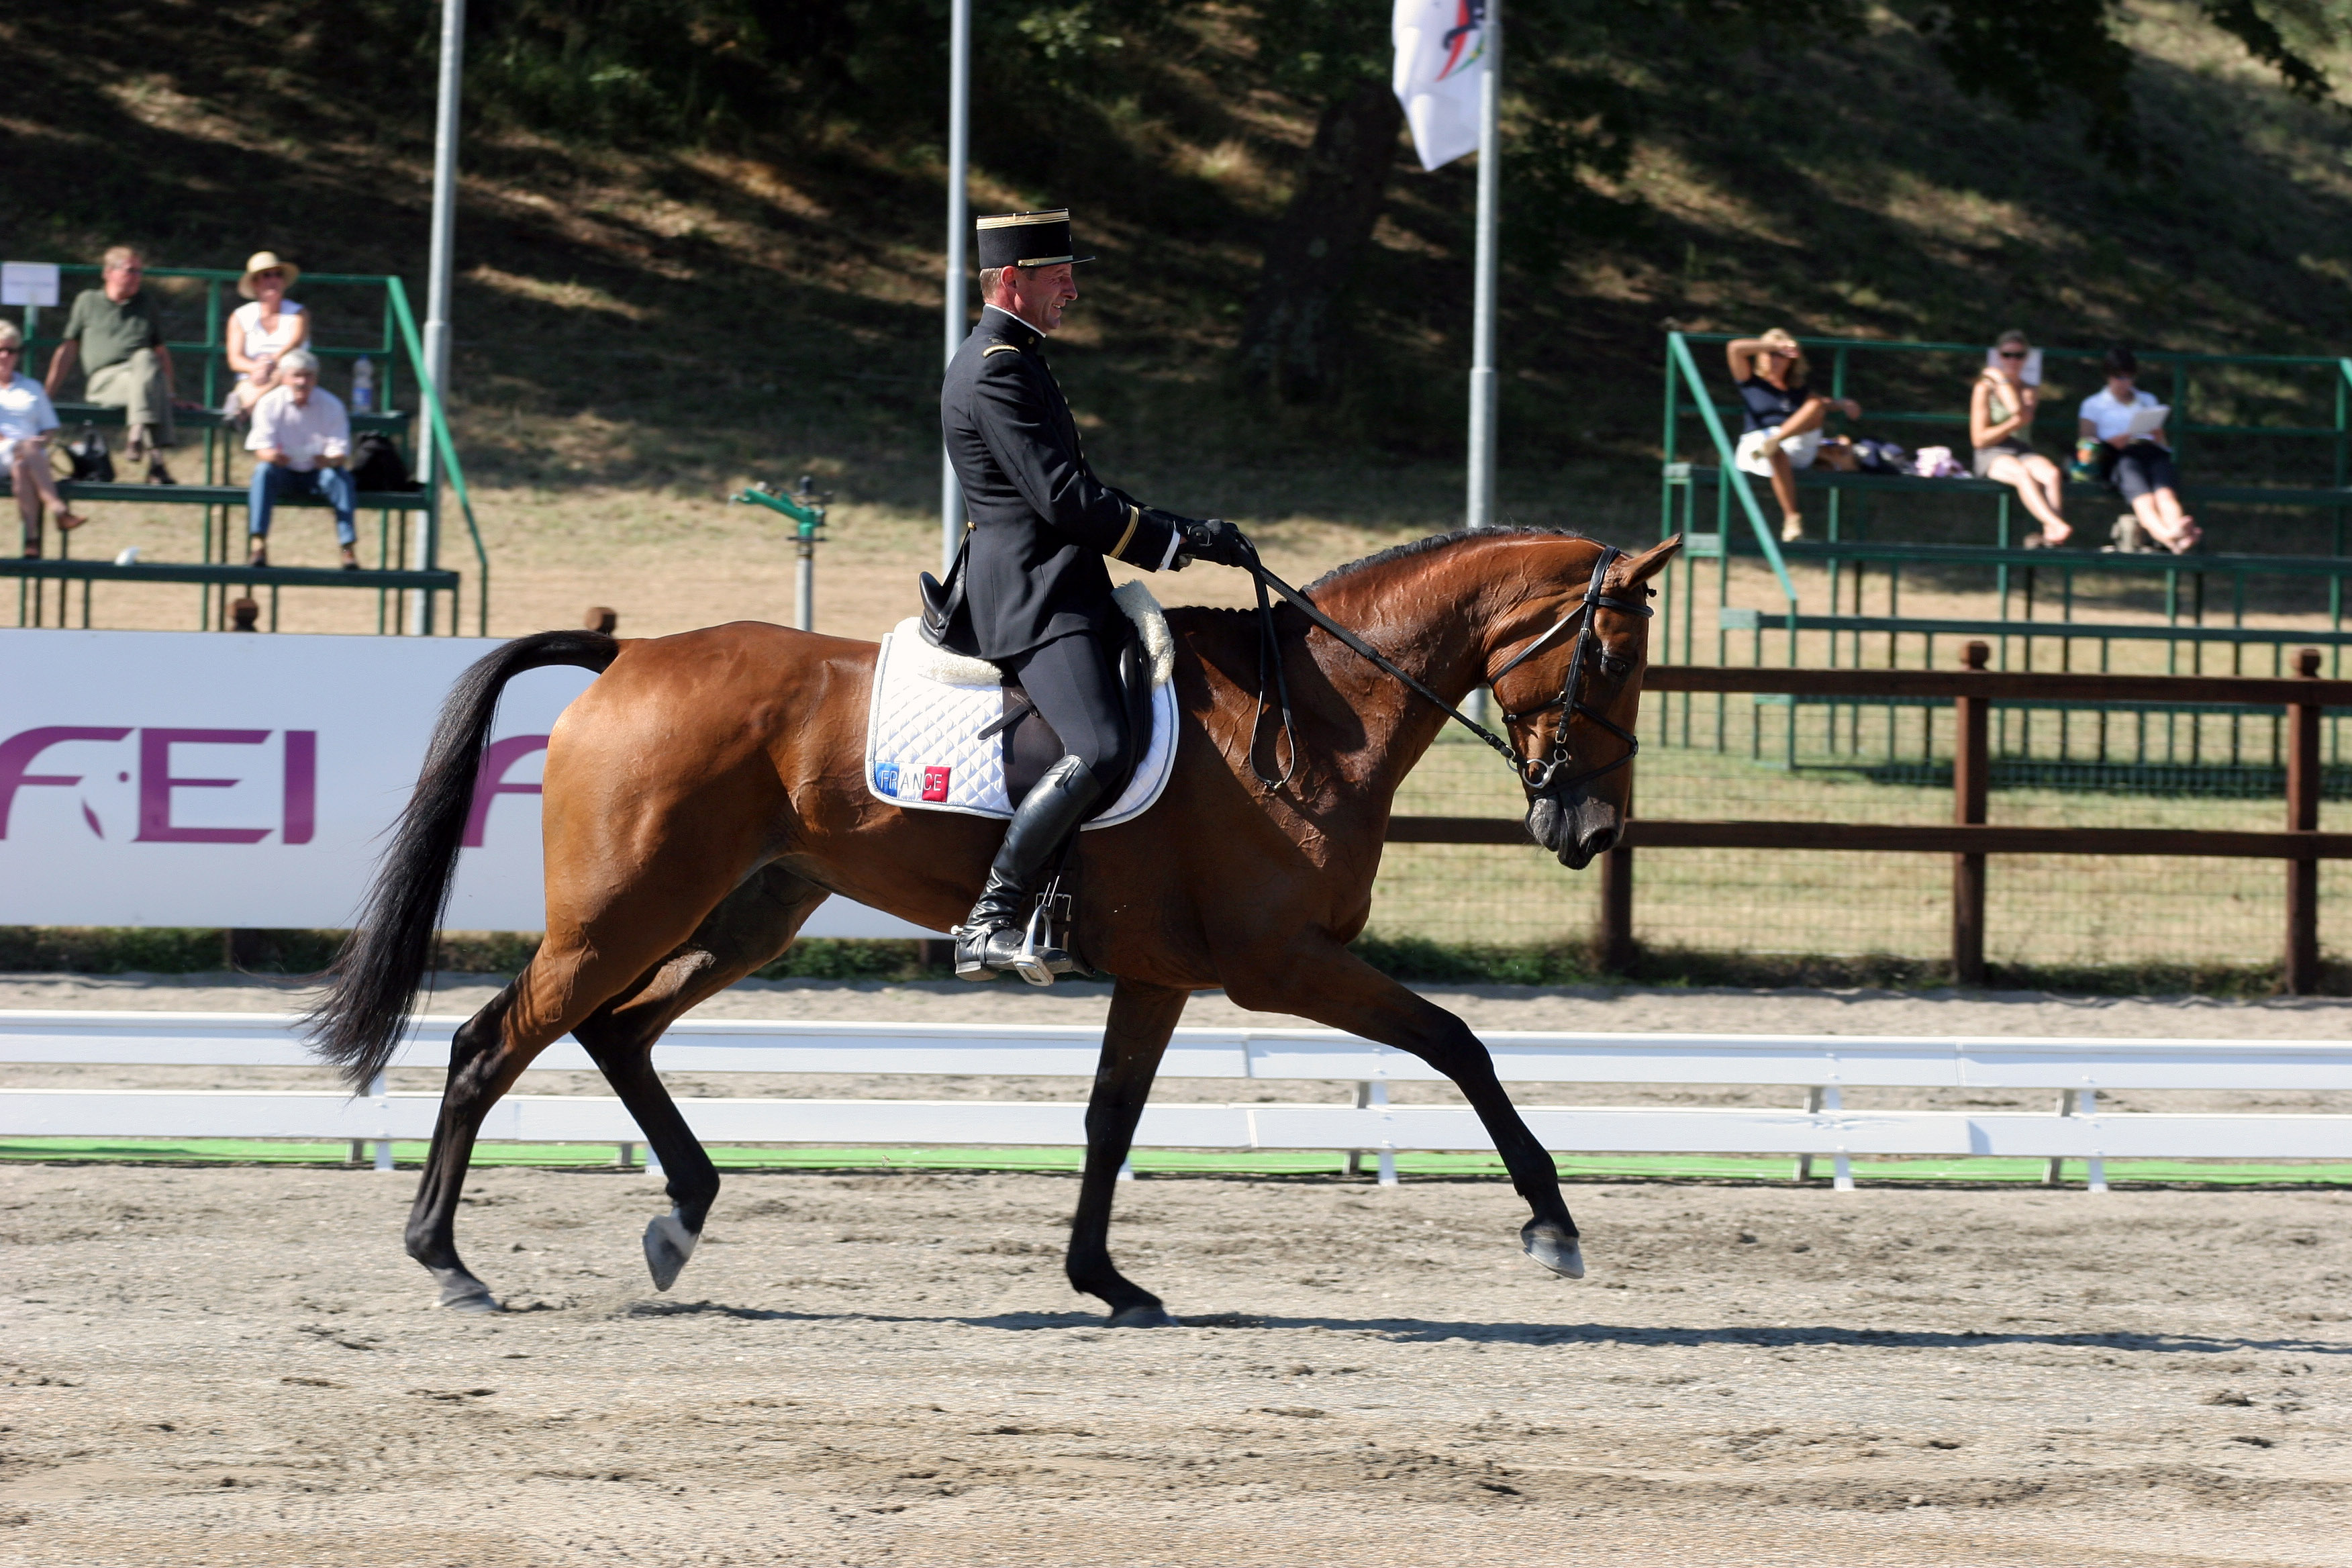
pixel 1291 337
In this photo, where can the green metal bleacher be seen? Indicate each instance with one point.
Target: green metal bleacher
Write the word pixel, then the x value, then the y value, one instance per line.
pixel 408 523
pixel 2035 591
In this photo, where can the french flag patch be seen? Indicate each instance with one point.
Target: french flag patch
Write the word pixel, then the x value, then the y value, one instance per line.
pixel 886 779
pixel 935 784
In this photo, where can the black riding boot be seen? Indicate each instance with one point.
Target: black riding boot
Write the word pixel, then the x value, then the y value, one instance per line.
pixel 990 937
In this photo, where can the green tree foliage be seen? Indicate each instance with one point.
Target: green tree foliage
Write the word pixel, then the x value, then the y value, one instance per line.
pixel 663 71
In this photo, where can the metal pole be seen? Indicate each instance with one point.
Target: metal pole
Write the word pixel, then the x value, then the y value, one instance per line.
pixel 804 587
pixel 959 219
pixel 1482 328
pixel 426 550
pixel 1481 509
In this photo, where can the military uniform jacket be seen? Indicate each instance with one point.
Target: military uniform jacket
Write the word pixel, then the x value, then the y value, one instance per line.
pixel 1041 521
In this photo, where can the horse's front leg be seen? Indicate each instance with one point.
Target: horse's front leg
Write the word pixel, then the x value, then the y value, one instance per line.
pixel 1319 979
pixel 1142 1019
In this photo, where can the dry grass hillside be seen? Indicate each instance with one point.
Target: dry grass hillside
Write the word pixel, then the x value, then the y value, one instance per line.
pixel 641 328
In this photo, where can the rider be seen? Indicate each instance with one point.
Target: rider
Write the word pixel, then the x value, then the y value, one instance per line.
pixel 1037 597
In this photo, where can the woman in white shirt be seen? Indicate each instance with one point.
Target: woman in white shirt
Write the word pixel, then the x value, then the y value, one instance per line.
pixel 263 332
pixel 2138 465
pixel 26 420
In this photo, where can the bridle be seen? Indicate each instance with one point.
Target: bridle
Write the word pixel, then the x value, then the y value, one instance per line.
pixel 1537 772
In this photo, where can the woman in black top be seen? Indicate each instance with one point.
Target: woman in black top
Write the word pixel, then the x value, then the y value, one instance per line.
pixel 1783 429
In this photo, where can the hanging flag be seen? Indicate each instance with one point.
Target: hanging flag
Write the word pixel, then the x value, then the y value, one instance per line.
pixel 1441 58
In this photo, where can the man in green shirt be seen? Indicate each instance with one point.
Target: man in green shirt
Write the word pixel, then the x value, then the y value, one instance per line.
pixel 112 333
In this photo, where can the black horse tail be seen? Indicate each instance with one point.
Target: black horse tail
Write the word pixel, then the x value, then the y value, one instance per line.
pixel 372 982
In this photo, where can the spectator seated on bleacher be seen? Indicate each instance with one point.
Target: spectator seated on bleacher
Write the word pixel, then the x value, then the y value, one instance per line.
pixel 2122 440
pixel 2000 428
pixel 301 442
pixel 25 421
pixel 263 332
pixel 1783 417
pixel 112 332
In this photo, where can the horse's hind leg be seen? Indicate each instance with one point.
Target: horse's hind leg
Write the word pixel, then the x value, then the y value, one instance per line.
pixel 749 927
pixel 484 1062
pixel 1332 987
pixel 578 968
pixel 1142 1019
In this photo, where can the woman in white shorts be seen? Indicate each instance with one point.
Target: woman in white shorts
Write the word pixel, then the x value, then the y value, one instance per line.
pixel 1783 417
pixel 26 420
pixel 263 332
pixel 2001 406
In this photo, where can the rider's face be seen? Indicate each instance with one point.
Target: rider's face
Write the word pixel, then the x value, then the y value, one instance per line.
pixel 1038 295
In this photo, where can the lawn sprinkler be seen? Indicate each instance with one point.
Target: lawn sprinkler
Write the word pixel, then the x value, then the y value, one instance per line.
pixel 805 506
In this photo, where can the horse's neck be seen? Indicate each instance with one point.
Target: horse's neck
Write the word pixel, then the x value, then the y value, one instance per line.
pixel 1431 623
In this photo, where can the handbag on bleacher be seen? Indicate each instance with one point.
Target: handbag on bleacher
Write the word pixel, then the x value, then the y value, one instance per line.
pixel 376 465
pixel 93 464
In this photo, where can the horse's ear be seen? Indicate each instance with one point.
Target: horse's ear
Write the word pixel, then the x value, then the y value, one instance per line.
pixel 1643 567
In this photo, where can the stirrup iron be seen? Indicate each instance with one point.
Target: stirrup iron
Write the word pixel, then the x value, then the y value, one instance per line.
pixel 1039 960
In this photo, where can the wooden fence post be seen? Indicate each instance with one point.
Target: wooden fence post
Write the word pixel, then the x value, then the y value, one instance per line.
pixel 1617 911
pixel 1616 943
pixel 2303 816
pixel 1971 782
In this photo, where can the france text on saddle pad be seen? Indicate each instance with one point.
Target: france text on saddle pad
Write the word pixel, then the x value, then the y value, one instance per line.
pixel 924 749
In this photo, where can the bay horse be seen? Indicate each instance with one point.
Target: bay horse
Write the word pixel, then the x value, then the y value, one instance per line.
pixel 706 792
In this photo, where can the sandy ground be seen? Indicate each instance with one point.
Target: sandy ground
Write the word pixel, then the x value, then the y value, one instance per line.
pixel 238 1366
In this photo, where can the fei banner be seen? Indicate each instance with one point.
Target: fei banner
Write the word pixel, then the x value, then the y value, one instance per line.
pixel 213 779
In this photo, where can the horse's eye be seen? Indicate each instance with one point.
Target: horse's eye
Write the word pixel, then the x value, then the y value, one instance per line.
pixel 1614 667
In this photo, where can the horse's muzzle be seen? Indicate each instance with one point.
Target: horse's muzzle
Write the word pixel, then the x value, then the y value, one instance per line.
pixel 1577 830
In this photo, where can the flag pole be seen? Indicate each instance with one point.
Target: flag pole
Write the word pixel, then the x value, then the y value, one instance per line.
pixel 958 298
pixel 1481 506
pixel 426 549
pixel 1482 320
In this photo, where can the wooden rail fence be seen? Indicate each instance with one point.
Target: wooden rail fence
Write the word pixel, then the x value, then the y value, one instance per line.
pixel 1973 688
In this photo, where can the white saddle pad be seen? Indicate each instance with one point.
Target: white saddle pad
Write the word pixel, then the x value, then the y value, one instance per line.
pixel 924 750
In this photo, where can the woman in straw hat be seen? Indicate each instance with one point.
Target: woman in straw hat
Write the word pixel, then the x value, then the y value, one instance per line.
pixel 1784 417
pixel 265 331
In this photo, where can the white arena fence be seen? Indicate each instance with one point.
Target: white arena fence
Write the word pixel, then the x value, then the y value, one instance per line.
pixel 1815 1068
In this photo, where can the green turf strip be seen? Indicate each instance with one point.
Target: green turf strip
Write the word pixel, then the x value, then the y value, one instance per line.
pixel 1276 1162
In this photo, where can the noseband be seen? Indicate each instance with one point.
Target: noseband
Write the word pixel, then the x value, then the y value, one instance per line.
pixel 1536 773
pixel 1539 772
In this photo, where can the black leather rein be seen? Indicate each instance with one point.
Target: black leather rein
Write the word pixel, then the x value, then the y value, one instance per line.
pixel 1536 773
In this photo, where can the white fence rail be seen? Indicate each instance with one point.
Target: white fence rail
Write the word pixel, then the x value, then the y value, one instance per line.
pixel 1815 1068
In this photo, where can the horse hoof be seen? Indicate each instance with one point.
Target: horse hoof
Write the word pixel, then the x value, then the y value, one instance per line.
pixel 669 1244
pixel 1143 1315
pixel 469 1295
pixel 1553 1247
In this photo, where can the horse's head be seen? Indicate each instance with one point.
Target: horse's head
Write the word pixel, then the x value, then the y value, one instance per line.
pixel 1569 700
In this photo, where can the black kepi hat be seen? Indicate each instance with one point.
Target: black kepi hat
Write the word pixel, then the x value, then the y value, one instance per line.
pixel 1026 239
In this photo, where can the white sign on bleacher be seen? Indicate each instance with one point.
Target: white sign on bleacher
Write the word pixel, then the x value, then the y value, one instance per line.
pixel 28 282
pixel 204 779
